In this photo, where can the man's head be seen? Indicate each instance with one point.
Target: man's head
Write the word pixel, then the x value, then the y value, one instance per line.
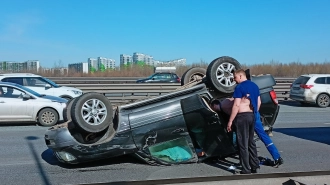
pixel 239 76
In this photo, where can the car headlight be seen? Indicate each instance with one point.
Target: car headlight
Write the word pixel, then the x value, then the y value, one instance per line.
pixel 77 92
pixel 65 156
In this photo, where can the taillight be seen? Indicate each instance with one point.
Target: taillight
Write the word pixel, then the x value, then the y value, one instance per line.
pixel 178 79
pixel 306 86
pixel 273 96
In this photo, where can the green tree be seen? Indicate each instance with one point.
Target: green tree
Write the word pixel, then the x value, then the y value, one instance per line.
pixel 102 68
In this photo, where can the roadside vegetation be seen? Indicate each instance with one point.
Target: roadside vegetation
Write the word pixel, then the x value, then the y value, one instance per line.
pixel 277 69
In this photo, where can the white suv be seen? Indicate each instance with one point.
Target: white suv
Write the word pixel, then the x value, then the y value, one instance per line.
pixel 41 85
pixel 312 88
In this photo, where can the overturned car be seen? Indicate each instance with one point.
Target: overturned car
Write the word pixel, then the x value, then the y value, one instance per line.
pixel 167 129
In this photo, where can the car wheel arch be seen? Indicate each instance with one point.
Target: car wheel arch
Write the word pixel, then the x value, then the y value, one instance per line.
pixel 317 98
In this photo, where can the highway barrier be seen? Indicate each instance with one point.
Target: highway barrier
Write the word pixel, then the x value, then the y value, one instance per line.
pixel 125 90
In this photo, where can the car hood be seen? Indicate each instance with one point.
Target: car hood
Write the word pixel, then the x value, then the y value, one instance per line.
pixel 54 98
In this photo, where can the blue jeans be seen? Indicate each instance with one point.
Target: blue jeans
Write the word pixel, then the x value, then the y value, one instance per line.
pixel 263 136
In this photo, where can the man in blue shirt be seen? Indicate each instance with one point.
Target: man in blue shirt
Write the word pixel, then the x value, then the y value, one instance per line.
pixel 242 119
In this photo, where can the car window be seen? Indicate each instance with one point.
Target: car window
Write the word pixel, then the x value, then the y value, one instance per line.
pixel 328 80
pixel 174 151
pixel 320 80
pixel 35 82
pixel 16 80
pixel 11 92
pixel 301 80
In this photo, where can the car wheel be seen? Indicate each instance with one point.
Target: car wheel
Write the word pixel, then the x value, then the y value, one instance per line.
pixel 92 112
pixel 47 117
pixel 67 110
pixel 220 74
pixel 193 74
pixel 323 100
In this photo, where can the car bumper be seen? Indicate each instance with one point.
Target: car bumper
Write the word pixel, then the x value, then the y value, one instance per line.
pixel 68 150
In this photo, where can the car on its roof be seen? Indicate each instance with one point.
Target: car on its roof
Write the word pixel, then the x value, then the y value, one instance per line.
pixel 167 129
pixel 311 88
pixel 21 104
pixel 161 77
pixel 41 85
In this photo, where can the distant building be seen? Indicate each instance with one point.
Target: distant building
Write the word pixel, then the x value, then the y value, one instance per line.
pixel 126 59
pixel 106 63
pixel 28 66
pixel 176 62
pixel 92 65
pixel 78 67
pixel 139 57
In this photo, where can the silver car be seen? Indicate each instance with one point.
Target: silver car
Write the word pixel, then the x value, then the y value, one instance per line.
pixel 21 104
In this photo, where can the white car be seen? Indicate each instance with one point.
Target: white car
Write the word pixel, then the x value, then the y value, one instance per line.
pixel 311 88
pixel 20 104
pixel 41 85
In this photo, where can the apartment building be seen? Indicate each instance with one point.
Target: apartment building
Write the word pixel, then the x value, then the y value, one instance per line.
pixel 78 67
pixel 28 66
pixel 106 63
pixel 125 60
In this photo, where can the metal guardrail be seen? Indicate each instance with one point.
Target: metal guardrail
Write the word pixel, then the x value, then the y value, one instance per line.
pixel 125 90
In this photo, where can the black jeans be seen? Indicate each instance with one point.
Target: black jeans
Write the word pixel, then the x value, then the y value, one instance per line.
pixel 244 126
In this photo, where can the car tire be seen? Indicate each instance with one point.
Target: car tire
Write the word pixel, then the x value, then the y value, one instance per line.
pixel 192 74
pixel 47 117
pixel 87 115
pixel 67 110
pixel 220 75
pixel 323 100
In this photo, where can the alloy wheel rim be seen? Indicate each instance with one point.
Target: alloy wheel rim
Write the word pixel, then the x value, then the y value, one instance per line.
pixel 225 74
pixel 94 112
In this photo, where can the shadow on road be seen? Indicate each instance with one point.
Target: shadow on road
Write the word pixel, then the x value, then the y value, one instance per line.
pixel 296 104
pixel 36 158
pixel 317 134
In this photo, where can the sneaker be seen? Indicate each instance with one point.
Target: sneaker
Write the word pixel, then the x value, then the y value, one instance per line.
pixel 278 162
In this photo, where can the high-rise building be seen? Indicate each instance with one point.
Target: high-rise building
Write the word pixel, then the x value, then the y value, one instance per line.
pixel 28 66
pixel 125 59
pixel 105 63
pixel 92 64
pixel 78 67
pixel 176 62
pixel 139 57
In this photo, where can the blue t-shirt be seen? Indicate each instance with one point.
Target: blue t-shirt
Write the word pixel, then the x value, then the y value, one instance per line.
pixel 245 88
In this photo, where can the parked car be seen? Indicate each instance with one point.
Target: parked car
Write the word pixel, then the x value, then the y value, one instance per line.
pixel 41 85
pixel 161 77
pixel 20 104
pixel 168 129
pixel 311 88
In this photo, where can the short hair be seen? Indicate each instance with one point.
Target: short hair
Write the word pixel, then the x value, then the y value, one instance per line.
pixel 240 71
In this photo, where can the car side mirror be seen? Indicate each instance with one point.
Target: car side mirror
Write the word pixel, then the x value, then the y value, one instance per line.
pixel 47 86
pixel 26 96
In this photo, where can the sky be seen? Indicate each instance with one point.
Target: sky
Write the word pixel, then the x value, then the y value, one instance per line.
pixel 251 31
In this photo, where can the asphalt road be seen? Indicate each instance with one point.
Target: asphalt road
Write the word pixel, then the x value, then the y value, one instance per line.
pixel 301 134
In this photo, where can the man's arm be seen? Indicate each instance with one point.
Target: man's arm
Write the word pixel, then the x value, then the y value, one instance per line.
pixel 259 102
pixel 234 112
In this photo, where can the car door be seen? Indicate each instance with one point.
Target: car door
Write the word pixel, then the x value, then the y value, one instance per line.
pixel 328 85
pixel 320 86
pixel 5 107
pixel 39 85
pixel 156 78
pixel 18 108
